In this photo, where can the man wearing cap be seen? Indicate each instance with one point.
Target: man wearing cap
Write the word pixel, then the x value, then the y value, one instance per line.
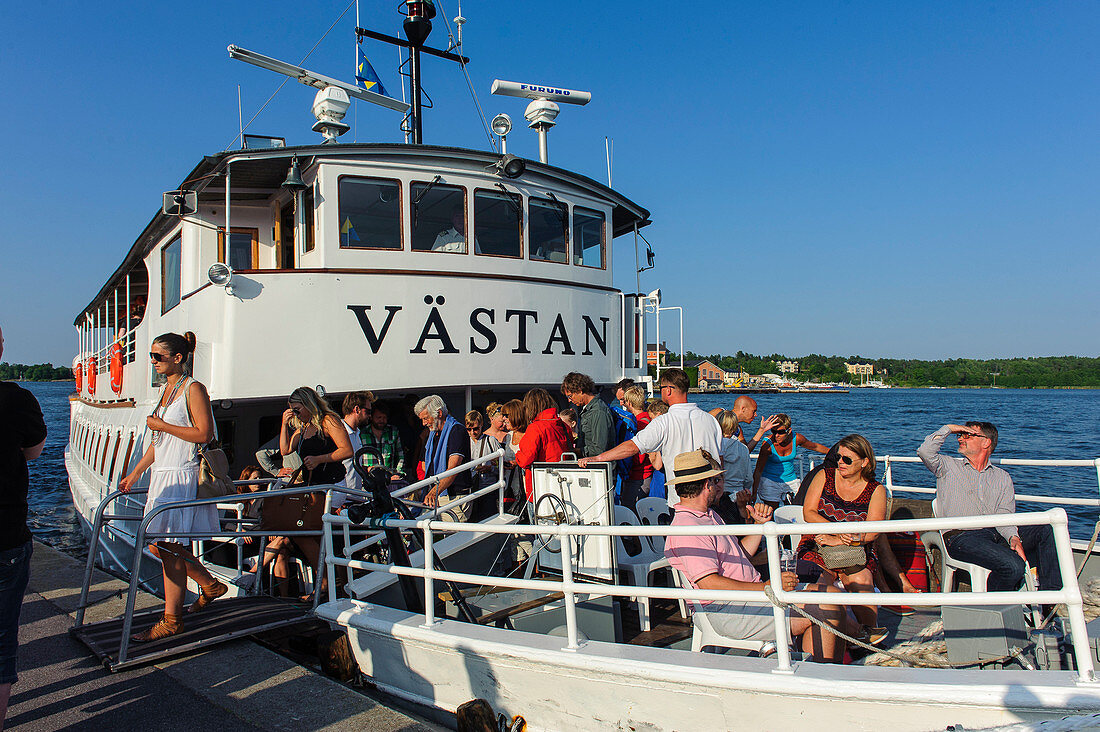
pixel 722 563
pixel 972 486
pixel 685 427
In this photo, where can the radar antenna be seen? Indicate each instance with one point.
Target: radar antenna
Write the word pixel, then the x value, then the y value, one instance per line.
pixel 541 112
pixel 332 101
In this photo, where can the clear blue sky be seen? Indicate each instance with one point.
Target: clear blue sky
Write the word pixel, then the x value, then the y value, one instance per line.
pixel 882 179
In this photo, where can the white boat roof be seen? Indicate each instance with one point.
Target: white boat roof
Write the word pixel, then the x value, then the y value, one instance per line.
pixel 257 171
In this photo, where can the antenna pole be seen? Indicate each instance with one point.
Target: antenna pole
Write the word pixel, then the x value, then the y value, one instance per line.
pixel 607 149
pixel 240 115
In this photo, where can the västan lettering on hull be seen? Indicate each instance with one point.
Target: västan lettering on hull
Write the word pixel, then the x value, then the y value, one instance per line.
pixel 519 328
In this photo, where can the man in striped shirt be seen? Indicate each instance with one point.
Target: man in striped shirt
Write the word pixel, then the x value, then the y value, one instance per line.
pixel 971 486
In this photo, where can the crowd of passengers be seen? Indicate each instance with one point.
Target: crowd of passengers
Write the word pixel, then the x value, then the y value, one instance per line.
pixel 666 446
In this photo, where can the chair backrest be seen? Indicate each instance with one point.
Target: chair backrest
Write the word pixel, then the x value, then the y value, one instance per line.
pixel 681 581
pixel 788 515
pixel 625 517
pixel 655 512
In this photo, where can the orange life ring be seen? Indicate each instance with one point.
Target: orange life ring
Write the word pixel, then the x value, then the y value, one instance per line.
pixel 116 368
pixel 78 373
pixel 91 375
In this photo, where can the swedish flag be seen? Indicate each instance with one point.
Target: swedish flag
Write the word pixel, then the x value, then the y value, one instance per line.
pixel 364 74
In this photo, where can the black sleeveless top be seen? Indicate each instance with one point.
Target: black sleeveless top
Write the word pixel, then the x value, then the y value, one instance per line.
pixel 320 444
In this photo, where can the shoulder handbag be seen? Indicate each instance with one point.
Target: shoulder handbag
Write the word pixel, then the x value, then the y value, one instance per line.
pixel 214 480
pixel 843 556
pixel 288 513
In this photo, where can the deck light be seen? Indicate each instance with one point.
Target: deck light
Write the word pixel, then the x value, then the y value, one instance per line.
pixel 502 125
pixel 221 275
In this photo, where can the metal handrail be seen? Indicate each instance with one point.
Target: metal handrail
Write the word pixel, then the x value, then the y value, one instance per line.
pixel 1070 593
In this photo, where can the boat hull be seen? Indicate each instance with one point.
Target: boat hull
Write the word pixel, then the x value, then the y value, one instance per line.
pixel 661 689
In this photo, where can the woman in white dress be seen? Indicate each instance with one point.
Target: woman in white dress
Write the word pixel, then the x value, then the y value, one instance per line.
pixel 181 422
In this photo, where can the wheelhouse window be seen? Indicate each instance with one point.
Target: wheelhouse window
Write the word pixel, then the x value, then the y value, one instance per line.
pixel 307 205
pixel 438 218
pixel 170 257
pixel 549 230
pixel 498 223
pixel 370 213
pixel 244 249
pixel 588 238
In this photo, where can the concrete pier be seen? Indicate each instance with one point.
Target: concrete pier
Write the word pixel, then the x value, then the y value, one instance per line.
pixel 239 685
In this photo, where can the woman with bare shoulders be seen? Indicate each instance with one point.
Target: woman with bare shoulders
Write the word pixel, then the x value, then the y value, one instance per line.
pixel 775 475
pixel 313 430
pixel 848 493
pixel 181 422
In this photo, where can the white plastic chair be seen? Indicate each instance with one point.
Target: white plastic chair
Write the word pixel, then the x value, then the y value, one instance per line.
pixel 641 565
pixel 789 515
pixel 703 633
pixel 650 511
pixel 979 575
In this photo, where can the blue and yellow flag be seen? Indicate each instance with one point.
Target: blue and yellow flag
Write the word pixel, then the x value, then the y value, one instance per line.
pixel 364 74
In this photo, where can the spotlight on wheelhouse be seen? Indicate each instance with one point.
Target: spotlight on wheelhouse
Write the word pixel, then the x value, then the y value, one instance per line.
pixel 511 166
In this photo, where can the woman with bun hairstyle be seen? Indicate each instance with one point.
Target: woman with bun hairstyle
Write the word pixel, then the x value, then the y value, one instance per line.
pixel 181 422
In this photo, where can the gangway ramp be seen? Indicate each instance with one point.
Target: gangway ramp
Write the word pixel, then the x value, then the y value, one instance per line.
pixel 221 622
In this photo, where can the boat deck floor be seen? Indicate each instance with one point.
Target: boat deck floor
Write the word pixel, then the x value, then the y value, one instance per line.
pixel 670 629
pixel 222 621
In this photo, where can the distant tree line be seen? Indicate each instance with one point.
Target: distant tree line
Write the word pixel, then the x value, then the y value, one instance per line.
pixel 37 372
pixel 1015 373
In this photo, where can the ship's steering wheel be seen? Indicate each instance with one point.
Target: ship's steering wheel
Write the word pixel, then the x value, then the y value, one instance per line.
pixel 559 513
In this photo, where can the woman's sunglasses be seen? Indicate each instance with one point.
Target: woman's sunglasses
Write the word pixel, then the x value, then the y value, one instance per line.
pixel 845 459
pixel 157 357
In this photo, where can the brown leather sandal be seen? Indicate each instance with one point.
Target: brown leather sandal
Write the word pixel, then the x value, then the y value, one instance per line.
pixel 166 627
pixel 207 595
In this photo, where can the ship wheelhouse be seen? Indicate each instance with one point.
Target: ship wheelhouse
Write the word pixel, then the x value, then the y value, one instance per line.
pixel 400 269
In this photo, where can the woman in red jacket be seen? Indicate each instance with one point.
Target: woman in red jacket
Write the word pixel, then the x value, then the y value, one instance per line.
pixel 546 438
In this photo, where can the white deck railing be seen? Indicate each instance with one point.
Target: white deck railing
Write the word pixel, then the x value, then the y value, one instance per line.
pixel 1070 593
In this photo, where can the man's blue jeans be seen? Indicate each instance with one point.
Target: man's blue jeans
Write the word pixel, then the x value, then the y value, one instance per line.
pixel 15 565
pixel 987 548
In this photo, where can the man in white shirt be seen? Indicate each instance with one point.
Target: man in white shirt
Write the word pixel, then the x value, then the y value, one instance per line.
pixel 684 428
pixel 357 412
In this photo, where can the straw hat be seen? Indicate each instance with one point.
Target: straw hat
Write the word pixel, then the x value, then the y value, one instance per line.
pixel 694 465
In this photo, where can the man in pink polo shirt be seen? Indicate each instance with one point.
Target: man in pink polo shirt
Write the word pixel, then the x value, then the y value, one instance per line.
pixel 722 563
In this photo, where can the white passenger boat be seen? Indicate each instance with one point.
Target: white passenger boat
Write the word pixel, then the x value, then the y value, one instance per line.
pixel 348 265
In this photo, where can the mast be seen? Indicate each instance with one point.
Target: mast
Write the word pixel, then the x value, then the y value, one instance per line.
pixel 417 27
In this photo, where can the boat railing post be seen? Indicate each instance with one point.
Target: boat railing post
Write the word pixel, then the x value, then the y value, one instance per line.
pixel 429 578
pixel 347 547
pixel 779 614
pixel 323 565
pixel 135 580
pixel 889 476
pixel 326 536
pixel 500 489
pixel 89 566
pixel 1096 463
pixel 1074 606
pixel 240 546
pixel 567 587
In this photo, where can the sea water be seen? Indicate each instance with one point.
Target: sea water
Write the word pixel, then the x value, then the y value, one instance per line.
pixel 1033 424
